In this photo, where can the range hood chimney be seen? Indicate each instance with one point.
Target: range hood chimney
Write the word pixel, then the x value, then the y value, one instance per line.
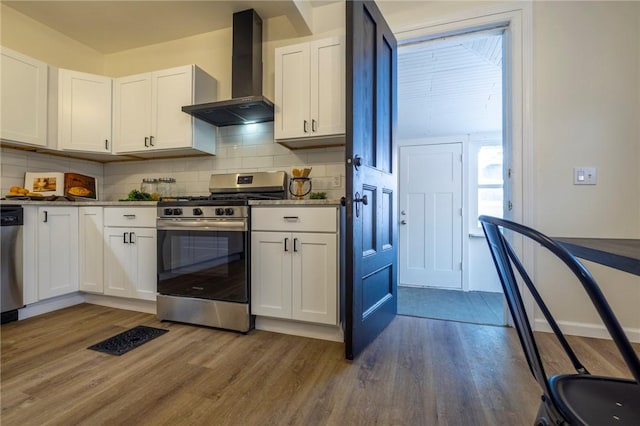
pixel 247 104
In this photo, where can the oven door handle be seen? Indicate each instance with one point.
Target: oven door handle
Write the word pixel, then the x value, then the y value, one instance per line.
pixel 201 225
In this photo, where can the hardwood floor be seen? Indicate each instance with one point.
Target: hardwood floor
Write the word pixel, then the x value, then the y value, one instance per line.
pixel 418 372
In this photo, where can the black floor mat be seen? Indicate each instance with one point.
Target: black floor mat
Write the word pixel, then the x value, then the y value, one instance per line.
pixel 127 340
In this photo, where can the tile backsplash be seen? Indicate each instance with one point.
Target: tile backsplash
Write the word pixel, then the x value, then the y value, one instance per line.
pixel 240 149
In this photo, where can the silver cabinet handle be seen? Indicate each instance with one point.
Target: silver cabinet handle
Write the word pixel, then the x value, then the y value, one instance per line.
pixel 131 235
pixel 151 141
pixel 313 125
pixel 146 141
pixel 305 126
pixel 124 237
pixel 46 216
pixel 403 222
pixel 295 240
pixel 285 244
pixel 129 216
pixel 106 144
pixel 290 217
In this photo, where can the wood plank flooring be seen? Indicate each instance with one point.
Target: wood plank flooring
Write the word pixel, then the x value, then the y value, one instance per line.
pixel 419 372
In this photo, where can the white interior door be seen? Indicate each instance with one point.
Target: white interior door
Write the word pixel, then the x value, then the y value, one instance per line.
pixel 431 215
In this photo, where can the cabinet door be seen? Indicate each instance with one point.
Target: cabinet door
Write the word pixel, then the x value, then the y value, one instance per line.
pixel 91 249
pixel 118 262
pixel 143 276
pixel 271 274
pixel 327 87
pixel 23 95
pixel 172 89
pixel 315 278
pixel 132 113
pixel 292 90
pixel 84 112
pixel 57 251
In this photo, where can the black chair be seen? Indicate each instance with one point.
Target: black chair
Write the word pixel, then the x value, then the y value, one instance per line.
pixel 579 398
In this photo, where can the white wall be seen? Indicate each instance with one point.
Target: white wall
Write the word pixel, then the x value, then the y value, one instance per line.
pixel 586 112
pixel 23 34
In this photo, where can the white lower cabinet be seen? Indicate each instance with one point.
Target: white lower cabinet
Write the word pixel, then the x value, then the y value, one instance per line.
pixel 294 275
pixel 57 251
pixel 91 275
pixel 130 252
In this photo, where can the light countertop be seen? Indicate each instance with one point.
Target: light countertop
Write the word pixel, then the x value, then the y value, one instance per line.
pixel 294 203
pixel 77 203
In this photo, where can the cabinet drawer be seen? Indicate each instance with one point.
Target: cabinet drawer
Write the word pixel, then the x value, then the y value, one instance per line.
pixel 130 216
pixel 304 219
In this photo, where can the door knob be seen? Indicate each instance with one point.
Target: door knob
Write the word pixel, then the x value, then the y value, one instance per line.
pixel 403 222
pixel 357 200
pixel 362 199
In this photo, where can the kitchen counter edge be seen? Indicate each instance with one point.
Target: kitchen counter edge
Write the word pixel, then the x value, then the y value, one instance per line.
pixel 77 203
pixel 294 202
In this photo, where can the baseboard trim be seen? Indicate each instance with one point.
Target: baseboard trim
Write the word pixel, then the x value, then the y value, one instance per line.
pixel 146 306
pixel 50 305
pixel 297 328
pixel 597 331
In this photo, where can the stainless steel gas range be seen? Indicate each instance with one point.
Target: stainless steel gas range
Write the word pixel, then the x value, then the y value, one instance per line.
pixel 204 252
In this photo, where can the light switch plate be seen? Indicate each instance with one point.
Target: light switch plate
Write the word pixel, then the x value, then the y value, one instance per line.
pixel 585 176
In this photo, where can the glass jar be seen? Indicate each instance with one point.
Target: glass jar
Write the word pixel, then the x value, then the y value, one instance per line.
pixel 150 186
pixel 167 187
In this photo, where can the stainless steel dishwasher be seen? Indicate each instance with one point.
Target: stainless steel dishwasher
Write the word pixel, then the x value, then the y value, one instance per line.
pixel 11 262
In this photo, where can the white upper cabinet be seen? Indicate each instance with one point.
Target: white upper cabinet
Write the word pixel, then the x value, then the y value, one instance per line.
pixel 79 111
pixel 148 113
pixel 23 96
pixel 310 94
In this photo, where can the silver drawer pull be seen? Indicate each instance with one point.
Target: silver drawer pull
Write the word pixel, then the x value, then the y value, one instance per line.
pixel 291 218
pixel 129 216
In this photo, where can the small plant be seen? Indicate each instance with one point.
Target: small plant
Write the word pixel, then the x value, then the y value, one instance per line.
pixel 318 195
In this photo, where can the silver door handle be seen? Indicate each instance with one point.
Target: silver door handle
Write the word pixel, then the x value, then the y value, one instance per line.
pixel 403 222
pixel 146 141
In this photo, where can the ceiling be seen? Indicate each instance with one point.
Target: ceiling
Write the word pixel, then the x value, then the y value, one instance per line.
pixel 450 86
pixel 113 26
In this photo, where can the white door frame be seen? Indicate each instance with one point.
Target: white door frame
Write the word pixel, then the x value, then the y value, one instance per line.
pixel 518 18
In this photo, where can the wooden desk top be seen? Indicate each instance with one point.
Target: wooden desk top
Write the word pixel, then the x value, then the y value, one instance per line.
pixel 622 254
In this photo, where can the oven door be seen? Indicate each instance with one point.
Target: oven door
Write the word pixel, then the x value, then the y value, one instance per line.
pixel 206 259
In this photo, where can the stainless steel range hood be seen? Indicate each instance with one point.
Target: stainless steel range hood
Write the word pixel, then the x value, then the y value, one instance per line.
pixel 247 104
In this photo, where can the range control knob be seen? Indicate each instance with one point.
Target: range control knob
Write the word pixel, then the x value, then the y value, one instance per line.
pixel 197 211
pixel 219 212
pixel 168 212
pixel 228 211
pixel 177 212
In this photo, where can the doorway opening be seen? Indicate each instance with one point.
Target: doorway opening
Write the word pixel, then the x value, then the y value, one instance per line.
pixel 451 142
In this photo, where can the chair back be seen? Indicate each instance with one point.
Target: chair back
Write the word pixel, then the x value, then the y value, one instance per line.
pixel 505 259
